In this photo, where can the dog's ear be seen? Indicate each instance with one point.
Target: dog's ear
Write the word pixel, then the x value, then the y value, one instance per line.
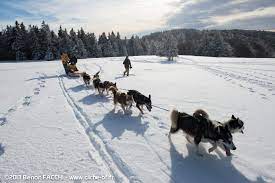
pixel 149 96
pixel 115 83
pixel 233 117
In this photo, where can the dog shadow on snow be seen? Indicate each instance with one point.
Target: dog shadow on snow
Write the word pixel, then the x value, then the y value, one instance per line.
pixel 44 77
pixel 94 98
pixel 79 88
pixel 208 168
pixel 121 76
pixel 117 123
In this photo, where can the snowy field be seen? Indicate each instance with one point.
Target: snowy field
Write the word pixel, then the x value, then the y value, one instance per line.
pixel 54 125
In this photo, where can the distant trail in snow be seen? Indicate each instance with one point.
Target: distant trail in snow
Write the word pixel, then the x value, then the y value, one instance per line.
pixel 119 169
pixel 243 77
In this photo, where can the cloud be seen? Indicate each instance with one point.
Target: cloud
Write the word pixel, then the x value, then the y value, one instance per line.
pixel 125 16
pixel 258 13
pixel 141 16
pixel 225 14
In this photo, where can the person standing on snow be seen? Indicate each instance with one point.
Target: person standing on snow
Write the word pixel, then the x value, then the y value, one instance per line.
pixel 127 65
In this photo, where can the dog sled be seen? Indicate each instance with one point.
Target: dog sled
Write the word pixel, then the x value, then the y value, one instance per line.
pixel 70 66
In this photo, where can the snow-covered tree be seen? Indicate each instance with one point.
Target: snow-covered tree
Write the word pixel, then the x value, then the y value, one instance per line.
pixel 77 48
pixel 40 43
pixel 18 45
pixel 34 44
pixel 169 46
pixel 105 45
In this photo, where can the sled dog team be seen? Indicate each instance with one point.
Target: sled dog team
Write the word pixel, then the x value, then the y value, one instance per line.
pixel 197 127
pixel 125 99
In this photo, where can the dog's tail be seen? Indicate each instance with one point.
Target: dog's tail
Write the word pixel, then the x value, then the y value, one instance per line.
pixel 200 113
pixel 96 75
pixel 174 118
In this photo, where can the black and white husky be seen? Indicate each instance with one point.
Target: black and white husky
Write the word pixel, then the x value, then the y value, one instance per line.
pixel 98 83
pixel 234 125
pixel 141 100
pixel 86 78
pixel 202 130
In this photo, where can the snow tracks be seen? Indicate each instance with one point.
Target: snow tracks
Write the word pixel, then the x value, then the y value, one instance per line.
pixel 120 170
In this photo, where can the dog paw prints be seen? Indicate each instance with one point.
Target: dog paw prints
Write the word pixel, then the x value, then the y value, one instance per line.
pixel 36 91
pixel 263 96
pixel 251 90
pixel 41 83
pixel 162 125
pixel 3 121
pixel 2 149
pixel 27 101
pixel 240 85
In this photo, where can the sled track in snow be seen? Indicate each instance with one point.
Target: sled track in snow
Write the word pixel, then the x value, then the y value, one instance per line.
pixel 235 75
pixel 241 78
pixel 147 141
pixel 119 169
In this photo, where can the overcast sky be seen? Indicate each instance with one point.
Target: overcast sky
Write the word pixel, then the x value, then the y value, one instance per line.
pixel 141 16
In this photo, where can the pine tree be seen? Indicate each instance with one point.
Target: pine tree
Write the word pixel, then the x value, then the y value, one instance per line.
pixel 169 46
pixel 17 42
pixel 65 43
pixel 55 45
pixel 46 42
pixel 34 44
pixel 105 45
pixel 18 45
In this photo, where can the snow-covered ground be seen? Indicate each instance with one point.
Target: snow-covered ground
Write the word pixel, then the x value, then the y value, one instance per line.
pixel 54 125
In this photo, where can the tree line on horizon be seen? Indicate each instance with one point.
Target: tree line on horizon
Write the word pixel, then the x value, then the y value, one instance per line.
pixel 41 43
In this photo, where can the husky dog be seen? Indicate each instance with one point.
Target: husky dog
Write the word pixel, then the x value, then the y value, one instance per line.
pixel 97 83
pixel 86 78
pixel 234 125
pixel 141 100
pixel 96 80
pixel 202 130
pixel 107 85
pixel 123 99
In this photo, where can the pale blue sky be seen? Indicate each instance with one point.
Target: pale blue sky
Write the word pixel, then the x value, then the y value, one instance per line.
pixel 141 16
